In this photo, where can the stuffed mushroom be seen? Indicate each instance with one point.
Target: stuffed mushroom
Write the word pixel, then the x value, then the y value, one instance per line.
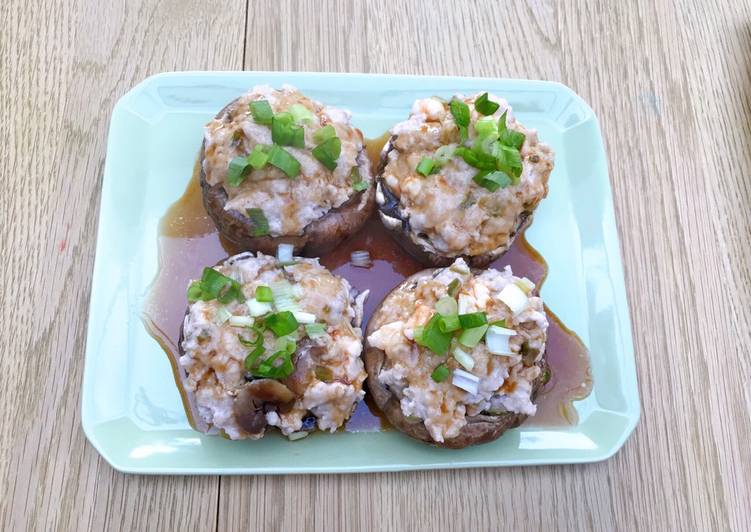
pixel 270 342
pixel 278 167
pixel 455 356
pixel 461 179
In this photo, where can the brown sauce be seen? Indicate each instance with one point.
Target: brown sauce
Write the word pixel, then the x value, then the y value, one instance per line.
pixel 188 241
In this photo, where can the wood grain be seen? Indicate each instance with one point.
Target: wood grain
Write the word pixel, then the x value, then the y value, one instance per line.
pixel 670 82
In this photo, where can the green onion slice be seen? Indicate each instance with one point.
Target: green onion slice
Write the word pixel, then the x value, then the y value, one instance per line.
pixel 426 166
pixel 440 374
pixel 250 360
pixel 301 114
pixel 484 106
pixel 263 294
pixel 214 285
pixel 460 112
pixel 325 133
pixel 324 373
pixel 315 329
pixel 486 128
pixel 282 323
pixel 283 160
pixel 473 319
pixel 510 161
pixel 358 184
pixel 239 167
pixel 446 306
pixel 285 133
pixel 449 323
pixel 454 287
pixel 259 156
pixel 328 151
pixel 434 338
pixel 259 222
pixel 262 112
pixel 479 160
pixel 277 366
pixel 492 180
pixel 444 154
pixel 472 337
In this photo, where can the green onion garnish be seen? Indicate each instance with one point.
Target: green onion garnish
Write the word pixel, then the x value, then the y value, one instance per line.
pixel 510 161
pixel 259 156
pixel 444 154
pixel 283 160
pixel 460 112
pixel 498 323
pixel 485 128
pixel 315 329
pixel 484 106
pixel 281 323
pixel 301 114
pixel 454 287
pixel 277 366
pixel 474 319
pixel 440 374
pixel 472 337
pixel 262 112
pixel 237 171
pixel 358 184
pixel 285 133
pixel 214 285
pixel 479 160
pixel 259 222
pixel 425 166
pixel 509 137
pixel 434 338
pixel 325 133
pixel 328 151
pixel 258 340
pixel 449 323
pixel 263 294
pixel 492 180
pixel 253 356
pixel 446 306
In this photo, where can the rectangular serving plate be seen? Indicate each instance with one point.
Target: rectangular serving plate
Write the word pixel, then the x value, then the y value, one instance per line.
pixel 131 410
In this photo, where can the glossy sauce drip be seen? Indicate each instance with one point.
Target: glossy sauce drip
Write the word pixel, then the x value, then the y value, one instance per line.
pixel 188 241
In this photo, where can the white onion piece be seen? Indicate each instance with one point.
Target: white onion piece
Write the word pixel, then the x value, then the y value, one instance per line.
pixel 466 381
pixel 498 343
pixel 258 308
pixel 241 321
pixel 496 329
pixel 304 317
pixel 360 259
pixel 514 298
pixel 294 436
pixel 284 252
pixel 466 361
pixel 526 285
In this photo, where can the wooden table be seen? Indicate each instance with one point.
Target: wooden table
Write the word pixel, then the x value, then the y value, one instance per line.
pixel 670 82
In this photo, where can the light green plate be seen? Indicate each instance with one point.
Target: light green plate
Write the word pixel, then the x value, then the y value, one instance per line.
pixel 131 409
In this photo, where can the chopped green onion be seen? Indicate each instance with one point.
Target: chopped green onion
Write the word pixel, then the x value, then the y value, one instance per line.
pixel 444 154
pixel 262 112
pixel 259 156
pixel 222 315
pixel 479 160
pixel 284 296
pixel 270 369
pixel 285 133
pixel 323 134
pixel 546 376
pixel 434 338
pixel 492 180
pixel 472 337
pixel 525 284
pixel 214 285
pixel 510 161
pixel 498 323
pixel 485 106
pixel 305 318
pixel 358 184
pixel 315 329
pixel 486 128
pixel 440 374
pixel 284 160
pixel 466 361
pixel 286 344
pixel 259 222
pixel 301 114
pixel 258 340
pixel 449 323
pixel 474 319
pixel 237 171
pixel 263 294
pixel 417 334
pixel 324 374
pixel 241 321
pixel 282 323
pixel 514 139
pixel 258 308
pixel 446 306
pixel 454 287
pixel 460 112
pixel 425 166
pixel 253 356
pixel 328 151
